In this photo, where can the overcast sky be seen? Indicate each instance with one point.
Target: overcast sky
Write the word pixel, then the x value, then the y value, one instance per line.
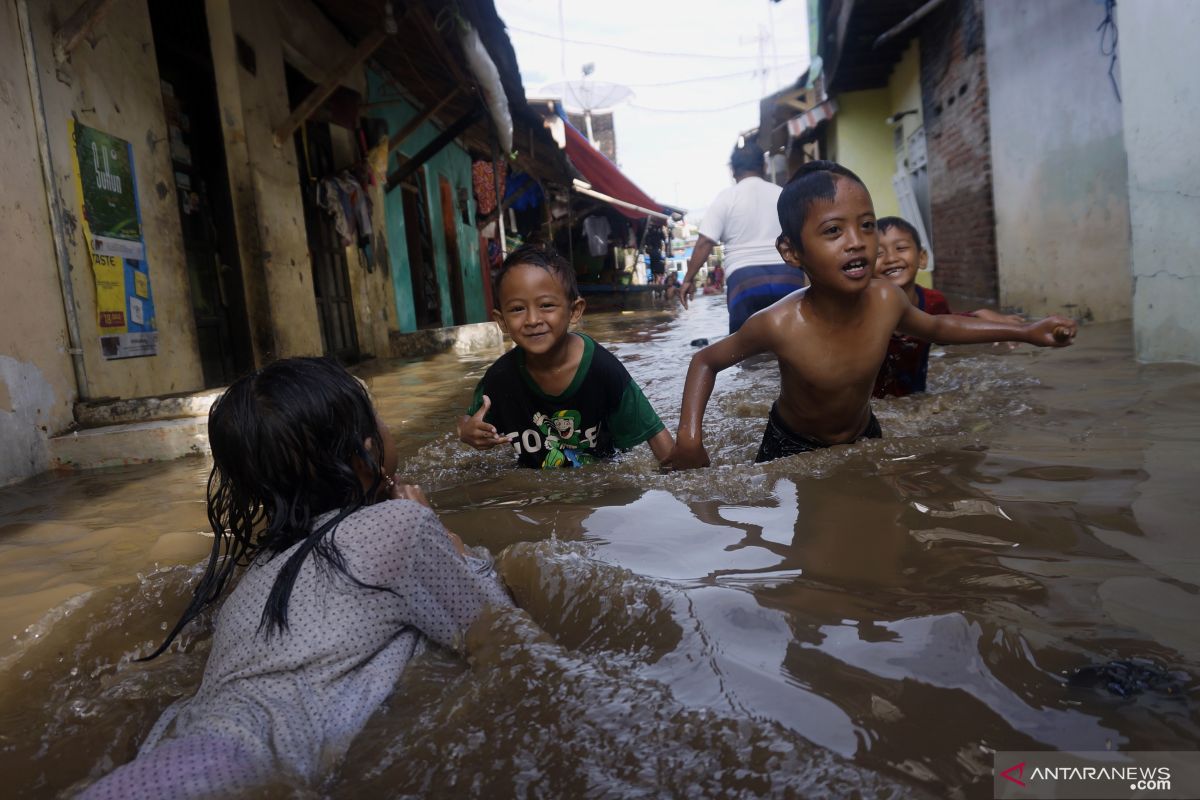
pixel 673 140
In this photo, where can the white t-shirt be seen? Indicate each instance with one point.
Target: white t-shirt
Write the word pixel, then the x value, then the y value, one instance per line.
pixel 743 218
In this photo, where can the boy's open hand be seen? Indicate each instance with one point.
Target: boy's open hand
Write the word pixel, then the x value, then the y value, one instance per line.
pixel 686 456
pixel 1051 332
pixel 474 431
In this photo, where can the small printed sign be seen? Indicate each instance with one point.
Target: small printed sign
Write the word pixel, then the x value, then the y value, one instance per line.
pixel 112 229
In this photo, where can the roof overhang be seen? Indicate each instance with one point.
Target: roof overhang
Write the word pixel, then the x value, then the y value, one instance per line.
pixel 603 180
pixel 850 29
pixel 428 61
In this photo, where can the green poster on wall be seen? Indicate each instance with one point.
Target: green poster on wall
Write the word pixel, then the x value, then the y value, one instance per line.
pixel 109 197
pixel 105 181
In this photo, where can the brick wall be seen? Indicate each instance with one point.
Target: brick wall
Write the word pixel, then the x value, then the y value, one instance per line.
pixel 954 94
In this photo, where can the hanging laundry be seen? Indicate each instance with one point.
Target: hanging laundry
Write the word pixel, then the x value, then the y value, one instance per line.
pixel 329 197
pixel 529 198
pixel 596 229
pixel 484 183
pixel 359 202
pixel 346 200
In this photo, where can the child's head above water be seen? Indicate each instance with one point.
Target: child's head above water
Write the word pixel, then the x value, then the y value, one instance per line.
pixel 542 257
pixel 296 435
pixel 813 182
pixel 901 252
pixel 290 442
pixel 537 299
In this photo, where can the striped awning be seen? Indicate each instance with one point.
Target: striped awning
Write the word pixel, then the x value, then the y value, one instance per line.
pixel 804 126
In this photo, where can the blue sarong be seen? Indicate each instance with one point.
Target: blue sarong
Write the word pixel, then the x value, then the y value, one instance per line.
pixel 753 288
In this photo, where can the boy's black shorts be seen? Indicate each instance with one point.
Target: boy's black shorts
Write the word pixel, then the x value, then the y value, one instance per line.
pixel 780 441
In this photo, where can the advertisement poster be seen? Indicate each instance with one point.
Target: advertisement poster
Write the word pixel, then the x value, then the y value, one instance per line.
pixel 112 227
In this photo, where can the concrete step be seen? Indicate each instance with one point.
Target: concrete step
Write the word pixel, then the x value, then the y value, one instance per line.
pixel 129 443
pixel 94 413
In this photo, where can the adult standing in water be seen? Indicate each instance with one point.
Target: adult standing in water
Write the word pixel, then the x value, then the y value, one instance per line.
pixel 744 219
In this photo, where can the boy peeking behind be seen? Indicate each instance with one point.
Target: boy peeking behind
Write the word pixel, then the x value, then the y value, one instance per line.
pixel 901 256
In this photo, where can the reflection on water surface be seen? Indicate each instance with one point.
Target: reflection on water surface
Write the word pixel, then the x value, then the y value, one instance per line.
pixel 875 618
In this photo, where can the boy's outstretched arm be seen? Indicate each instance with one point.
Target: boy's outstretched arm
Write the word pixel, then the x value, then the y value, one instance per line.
pixel 955 329
pixel 751 339
pixel 474 431
pixel 995 316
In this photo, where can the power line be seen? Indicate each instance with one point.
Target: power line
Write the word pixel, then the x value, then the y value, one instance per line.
pixel 693 110
pixel 743 73
pixel 641 51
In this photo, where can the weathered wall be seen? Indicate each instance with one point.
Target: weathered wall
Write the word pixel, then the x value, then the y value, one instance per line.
pixel 954 96
pixel 265 178
pixel 1058 156
pixel 453 163
pixel 904 91
pixel 1161 107
pixel 111 83
pixel 37 386
pixel 862 141
pixel 271 175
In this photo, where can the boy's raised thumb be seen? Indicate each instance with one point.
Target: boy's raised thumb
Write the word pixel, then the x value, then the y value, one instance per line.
pixel 483 409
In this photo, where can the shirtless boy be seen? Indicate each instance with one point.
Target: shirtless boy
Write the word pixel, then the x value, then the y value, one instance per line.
pixel 830 338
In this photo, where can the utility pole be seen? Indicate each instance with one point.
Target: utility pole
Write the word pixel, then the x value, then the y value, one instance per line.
pixel 761 40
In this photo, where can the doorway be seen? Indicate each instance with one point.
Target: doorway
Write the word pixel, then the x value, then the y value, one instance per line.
pixel 330 270
pixel 185 68
pixel 453 263
pixel 426 295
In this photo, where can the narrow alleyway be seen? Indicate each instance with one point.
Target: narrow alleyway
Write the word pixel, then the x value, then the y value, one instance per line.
pixel 1022 522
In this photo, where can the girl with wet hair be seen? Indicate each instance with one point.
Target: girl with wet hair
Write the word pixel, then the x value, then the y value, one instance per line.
pixel 345 575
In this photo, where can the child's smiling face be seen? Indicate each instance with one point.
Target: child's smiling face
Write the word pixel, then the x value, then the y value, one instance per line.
pixel 899 257
pixel 840 241
pixel 534 308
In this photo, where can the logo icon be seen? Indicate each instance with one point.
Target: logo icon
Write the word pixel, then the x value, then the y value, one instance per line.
pixel 1019 769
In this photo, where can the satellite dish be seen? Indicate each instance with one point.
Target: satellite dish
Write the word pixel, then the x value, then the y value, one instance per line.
pixel 585 96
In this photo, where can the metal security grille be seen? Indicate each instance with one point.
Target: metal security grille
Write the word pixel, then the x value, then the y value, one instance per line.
pixel 330 270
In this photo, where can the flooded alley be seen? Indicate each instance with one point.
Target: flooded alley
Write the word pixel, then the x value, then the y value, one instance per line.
pixel 1014 566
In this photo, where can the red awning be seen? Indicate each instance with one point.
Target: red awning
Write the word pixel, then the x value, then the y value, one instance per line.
pixel 604 176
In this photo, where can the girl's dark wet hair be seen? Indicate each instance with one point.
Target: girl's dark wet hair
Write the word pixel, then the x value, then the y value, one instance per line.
pixel 885 224
pixel 816 180
pixel 747 158
pixel 284 440
pixel 544 256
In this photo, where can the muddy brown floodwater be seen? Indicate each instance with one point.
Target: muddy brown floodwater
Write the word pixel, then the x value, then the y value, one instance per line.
pixel 871 620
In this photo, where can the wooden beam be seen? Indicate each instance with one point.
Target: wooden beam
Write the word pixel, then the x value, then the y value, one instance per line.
pixel 433 148
pixel 320 94
pixel 907 22
pixel 78 26
pixel 420 119
pixel 450 61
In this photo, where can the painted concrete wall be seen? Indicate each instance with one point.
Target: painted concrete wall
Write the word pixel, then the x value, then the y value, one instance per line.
pixel 862 141
pixel 1058 156
pixel 37 384
pixel 455 165
pixel 1162 116
pixel 111 83
pixel 904 88
pixel 904 91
